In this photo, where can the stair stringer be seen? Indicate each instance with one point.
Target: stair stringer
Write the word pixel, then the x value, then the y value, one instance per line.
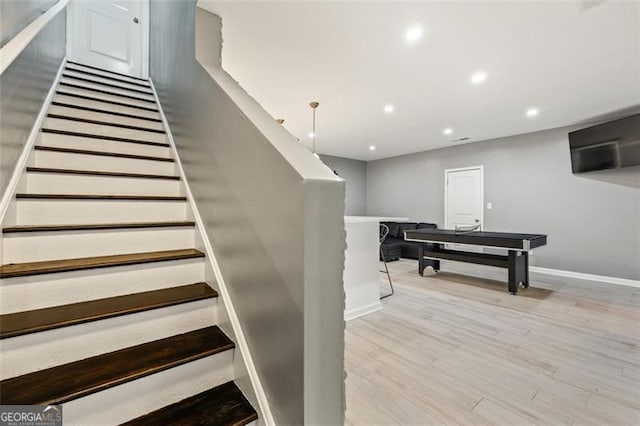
pixel 228 321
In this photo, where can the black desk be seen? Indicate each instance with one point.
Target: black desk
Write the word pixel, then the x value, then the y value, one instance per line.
pixel 516 261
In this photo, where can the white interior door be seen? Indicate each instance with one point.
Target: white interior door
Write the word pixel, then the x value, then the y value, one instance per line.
pixel 110 34
pixel 464 200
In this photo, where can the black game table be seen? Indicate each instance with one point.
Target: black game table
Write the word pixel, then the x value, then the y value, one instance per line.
pixel 516 261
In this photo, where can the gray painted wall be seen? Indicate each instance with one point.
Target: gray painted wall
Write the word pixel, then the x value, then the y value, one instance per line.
pixel 593 226
pixel 17 14
pixel 354 172
pixel 23 88
pixel 278 236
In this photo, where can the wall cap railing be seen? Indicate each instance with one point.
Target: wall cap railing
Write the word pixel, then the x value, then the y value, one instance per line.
pixel 10 51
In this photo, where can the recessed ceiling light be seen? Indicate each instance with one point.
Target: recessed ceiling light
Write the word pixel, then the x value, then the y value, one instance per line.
pixel 372 148
pixel 413 34
pixel 478 77
pixel 388 108
pixel 447 131
pixel 311 134
pixel 532 112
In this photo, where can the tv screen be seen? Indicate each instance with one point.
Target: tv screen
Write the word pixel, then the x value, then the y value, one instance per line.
pixel 607 146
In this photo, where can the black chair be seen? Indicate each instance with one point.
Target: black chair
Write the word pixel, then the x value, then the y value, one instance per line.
pixel 384 231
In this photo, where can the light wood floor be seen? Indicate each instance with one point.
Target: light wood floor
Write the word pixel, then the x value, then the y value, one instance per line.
pixel 454 349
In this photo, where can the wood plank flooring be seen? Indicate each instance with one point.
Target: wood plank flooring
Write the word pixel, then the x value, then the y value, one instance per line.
pixel 451 348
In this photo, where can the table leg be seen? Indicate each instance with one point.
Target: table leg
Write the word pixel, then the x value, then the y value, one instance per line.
pixel 513 276
pixel 518 264
pixel 421 262
pixel 436 265
pixel 526 269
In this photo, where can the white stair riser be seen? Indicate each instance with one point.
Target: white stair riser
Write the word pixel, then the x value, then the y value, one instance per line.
pixel 99 162
pixel 62 288
pixel 37 351
pixel 71 67
pixel 99 86
pixel 39 246
pixel 98 80
pixel 103 130
pixel 55 183
pixel 109 118
pixel 98 95
pixel 93 144
pixel 46 212
pixel 133 399
pixel 102 105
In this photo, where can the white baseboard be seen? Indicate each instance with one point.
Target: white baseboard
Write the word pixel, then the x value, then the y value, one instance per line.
pixel 583 276
pixel 21 164
pixel 263 403
pixel 363 310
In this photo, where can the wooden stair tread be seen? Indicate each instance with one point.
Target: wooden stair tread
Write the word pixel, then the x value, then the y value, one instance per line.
pixel 102 153
pixel 65 265
pixel 70 381
pixel 107 77
pixel 106 92
pixel 104 111
pixel 106 101
pixel 100 197
pixel 102 83
pixel 100 173
pixel 104 123
pixel 103 70
pixel 224 405
pixel 20 323
pixel 94 226
pixel 104 137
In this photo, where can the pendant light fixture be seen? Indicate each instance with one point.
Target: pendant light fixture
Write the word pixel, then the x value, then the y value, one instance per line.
pixel 313 106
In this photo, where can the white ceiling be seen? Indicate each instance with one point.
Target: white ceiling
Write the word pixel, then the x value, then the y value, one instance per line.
pixel 353 58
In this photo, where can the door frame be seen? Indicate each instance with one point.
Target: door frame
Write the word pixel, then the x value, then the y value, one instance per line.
pixel 144 22
pixel 446 191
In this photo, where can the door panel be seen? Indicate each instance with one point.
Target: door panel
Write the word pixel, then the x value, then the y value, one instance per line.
pixel 105 34
pixel 463 197
pixel 117 45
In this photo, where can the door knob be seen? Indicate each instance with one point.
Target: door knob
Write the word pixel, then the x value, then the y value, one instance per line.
pixel 135 20
pixel 477 220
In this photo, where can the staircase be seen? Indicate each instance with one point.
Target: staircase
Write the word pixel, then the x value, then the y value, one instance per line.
pixel 104 300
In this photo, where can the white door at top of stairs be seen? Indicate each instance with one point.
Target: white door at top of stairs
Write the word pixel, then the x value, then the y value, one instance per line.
pixel 110 34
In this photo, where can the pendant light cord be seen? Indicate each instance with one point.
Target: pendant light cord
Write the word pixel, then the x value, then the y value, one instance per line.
pixel 313 106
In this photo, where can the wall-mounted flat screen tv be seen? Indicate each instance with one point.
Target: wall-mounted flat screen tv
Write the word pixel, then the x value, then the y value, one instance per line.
pixel 608 146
